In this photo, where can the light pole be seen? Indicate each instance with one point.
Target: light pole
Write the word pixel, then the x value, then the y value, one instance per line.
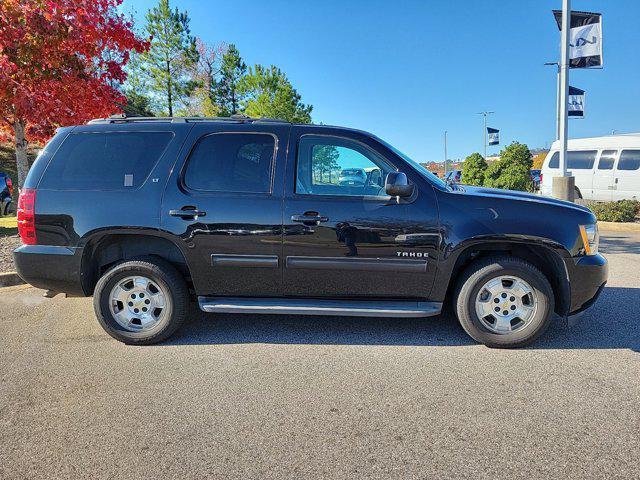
pixel 484 130
pixel 563 187
pixel 445 154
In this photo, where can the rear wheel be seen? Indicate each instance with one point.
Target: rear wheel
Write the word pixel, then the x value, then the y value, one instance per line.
pixel 142 301
pixel 577 194
pixel 504 302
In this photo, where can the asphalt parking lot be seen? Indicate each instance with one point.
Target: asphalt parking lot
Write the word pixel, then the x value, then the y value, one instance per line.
pixel 288 397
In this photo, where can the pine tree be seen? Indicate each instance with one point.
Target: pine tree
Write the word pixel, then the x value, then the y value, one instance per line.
pixel 227 94
pixel 270 94
pixel 170 60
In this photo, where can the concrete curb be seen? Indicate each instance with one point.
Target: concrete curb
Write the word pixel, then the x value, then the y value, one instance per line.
pixel 619 226
pixel 9 279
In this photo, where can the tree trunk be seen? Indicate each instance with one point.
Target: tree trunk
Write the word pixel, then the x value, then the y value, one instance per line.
pixel 22 162
pixel 169 90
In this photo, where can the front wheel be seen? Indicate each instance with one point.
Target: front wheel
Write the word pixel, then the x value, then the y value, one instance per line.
pixel 142 301
pixel 504 302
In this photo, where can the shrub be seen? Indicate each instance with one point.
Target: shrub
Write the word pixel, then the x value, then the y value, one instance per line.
pixel 620 211
pixel 512 171
pixel 473 170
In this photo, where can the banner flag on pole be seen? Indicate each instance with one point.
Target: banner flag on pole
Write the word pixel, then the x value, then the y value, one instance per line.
pixel 494 136
pixel 585 39
pixel 576 102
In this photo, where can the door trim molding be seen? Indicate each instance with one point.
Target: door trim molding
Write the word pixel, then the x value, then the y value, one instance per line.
pixel 230 260
pixel 358 264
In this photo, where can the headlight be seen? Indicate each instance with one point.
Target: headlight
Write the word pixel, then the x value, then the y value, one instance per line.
pixel 590 238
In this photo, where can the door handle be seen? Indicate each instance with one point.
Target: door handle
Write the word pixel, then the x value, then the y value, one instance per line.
pixel 309 218
pixel 187 213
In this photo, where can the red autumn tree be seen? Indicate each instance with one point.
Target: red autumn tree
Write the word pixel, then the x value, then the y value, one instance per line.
pixel 61 62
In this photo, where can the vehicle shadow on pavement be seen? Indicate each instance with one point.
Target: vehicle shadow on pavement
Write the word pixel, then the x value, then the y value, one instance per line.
pixel 620 244
pixel 612 323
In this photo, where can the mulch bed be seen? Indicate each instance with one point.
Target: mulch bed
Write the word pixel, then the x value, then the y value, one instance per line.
pixel 8 243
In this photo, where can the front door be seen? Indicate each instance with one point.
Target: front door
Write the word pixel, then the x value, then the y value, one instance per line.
pixel 343 236
pixel 224 200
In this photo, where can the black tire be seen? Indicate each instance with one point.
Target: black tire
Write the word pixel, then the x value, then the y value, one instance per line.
pixel 167 278
pixel 477 275
pixel 577 194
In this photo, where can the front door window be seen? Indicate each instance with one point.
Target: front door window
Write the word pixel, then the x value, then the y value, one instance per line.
pixel 335 166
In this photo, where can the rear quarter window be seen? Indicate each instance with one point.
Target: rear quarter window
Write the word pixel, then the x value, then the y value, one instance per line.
pixel 105 160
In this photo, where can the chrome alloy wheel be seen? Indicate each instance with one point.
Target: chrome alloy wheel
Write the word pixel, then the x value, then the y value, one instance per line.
pixel 138 304
pixel 506 304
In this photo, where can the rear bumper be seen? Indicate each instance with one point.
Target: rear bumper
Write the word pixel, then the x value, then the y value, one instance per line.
pixel 50 267
pixel 588 278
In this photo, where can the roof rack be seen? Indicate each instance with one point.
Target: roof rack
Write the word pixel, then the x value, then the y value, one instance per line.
pixel 236 118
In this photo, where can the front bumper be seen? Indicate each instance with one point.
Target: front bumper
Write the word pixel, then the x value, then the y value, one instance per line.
pixel 50 267
pixel 588 277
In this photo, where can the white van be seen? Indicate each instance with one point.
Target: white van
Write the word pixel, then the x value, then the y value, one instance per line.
pixel 605 168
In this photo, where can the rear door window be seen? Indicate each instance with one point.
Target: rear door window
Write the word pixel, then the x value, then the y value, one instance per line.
pixel 629 160
pixel 607 159
pixel 105 161
pixel 231 162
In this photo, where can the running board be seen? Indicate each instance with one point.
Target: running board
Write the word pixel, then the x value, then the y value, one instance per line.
pixel 298 306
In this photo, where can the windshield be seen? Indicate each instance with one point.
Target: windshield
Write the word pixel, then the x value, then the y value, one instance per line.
pixel 419 168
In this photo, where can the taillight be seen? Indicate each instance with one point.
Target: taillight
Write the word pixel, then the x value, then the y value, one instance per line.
pixel 540 177
pixel 26 216
pixel 9 185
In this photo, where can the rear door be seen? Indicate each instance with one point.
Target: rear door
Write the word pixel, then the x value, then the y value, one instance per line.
pixel 603 183
pixel 224 200
pixel 627 175
pixel 346 239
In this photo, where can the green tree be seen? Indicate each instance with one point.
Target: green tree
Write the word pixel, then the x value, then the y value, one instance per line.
pixel 227 93
pixel 473 170
pixel 512 171
pixel 270 94
pixel 517 153
pixel 138 105
pixel 169 61
pixel 324 162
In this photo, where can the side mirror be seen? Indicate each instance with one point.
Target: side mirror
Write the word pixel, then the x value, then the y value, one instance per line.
pixel 397 185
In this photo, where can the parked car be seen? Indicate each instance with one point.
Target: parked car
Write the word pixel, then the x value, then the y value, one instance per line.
pixel 228 212
pixel 453 176
pixel 536 178
pixel 604 168
pixel 6 193
pixel 352 176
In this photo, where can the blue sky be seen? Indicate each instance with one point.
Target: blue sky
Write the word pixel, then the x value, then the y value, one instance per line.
pixel 409 70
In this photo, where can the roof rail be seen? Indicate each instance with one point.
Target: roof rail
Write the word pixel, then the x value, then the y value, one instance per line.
pixel 235 118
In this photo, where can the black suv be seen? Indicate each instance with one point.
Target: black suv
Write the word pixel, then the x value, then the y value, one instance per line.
pixel 6 190
pixel 251 216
